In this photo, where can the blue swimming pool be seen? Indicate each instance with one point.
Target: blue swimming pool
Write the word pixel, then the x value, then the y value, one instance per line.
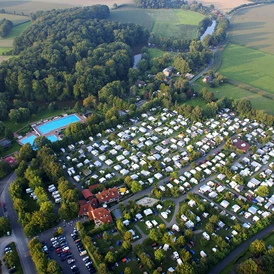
pixel 52 138
pixel 58 123
pixel 29 139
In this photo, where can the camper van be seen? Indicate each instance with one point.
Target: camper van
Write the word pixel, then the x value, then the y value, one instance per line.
pixel 29 190
pixel 56 196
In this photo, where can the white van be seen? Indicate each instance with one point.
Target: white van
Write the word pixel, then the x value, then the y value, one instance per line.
pixel 52 189
pixel 51 186
pixel 56 196
pixel 58 200
pixel 29 190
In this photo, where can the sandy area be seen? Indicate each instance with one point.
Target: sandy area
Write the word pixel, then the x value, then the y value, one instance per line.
pixel 223 5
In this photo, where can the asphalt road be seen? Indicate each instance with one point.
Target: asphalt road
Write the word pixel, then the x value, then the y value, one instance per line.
pixel 237 251
pixel 18 235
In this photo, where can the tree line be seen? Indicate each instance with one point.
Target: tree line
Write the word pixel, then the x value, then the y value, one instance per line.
pixel 5 27
pixel 44 169
pixel 42 263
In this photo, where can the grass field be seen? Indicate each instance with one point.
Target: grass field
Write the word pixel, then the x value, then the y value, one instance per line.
pixel 4 49
pixel 175 23
pixel 249 66
pixel 16 19
pixel 6 44
pixel 253 27
pixel 132 15
pixel 232 92
pixel 169 23
pixel 17 30
pixel 154 53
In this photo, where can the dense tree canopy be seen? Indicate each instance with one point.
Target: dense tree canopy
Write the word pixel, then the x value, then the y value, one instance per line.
pixel 5 27
pixel 68 54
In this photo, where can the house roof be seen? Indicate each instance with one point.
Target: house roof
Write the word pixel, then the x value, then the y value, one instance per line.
pixel 87 194
pixel 107 195
pixel 85 208
pixel 101 214
pixel 92 187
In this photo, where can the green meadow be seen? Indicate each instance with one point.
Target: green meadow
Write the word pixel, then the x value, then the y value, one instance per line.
pixel 249 66
pixel 170 23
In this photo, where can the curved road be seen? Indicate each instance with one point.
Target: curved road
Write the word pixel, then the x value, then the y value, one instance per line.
pixel 18 235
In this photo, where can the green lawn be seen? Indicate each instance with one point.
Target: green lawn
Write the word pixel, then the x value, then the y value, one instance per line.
pixel 175 24
pixel 143 226
pixel 232 92
pixel 17 30
pixel 132 15
pixel 15 147
pixel 42 115
pixel 4 49
pixel 155 53
pixel 249 66
pixel 171 23
pixel 196 102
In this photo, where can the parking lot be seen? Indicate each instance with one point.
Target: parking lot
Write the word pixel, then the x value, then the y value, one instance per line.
pixel 66 250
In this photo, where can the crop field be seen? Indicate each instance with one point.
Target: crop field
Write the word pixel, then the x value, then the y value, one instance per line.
pixel 132 15
pixel 16 19
pixel 223 5
pixel 231 92
pixel 175 23
pixel 253 27
pixel 8 41
pixel 169 23
pixel 35 5
pixel 249 66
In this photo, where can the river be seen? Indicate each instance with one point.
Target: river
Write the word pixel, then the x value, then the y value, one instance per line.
pixel 209 30
pixel 136 51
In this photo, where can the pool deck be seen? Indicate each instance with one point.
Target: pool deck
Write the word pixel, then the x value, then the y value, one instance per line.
pixel 37 133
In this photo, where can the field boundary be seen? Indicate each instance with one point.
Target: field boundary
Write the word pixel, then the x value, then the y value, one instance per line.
pixel 250 88
pixel 217 61
pixel 21 23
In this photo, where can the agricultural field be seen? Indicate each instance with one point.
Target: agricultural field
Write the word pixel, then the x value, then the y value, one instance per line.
pixel 253 27
pixel 249 66
pixel 17 30
pixel 169 23
pixel 223 5
pixel 16 19
pixel 27 7
pixel 132 15
pixel 6 44
pixel 175 23
pixel 231 92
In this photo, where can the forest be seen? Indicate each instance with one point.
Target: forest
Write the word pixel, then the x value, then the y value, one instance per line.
pixel 5 27
pixel 69 54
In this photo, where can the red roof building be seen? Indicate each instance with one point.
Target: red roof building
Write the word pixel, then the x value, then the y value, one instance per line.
pixel 87 194
pixel 100 215
pixel 108 195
